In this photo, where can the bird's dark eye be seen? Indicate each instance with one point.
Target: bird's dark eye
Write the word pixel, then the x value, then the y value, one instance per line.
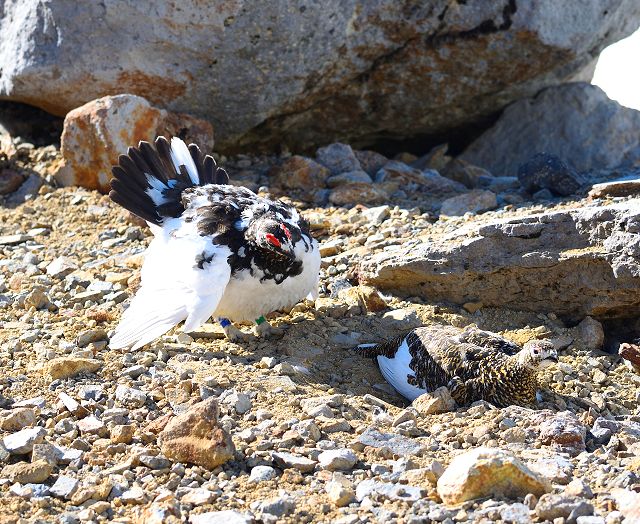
pixel 536 351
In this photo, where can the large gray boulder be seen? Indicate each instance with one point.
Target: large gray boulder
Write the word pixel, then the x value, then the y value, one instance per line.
pixel 304 73
pixel 574 263
pixel 576 122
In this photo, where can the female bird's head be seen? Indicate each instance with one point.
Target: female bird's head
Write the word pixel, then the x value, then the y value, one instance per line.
pixel 538 354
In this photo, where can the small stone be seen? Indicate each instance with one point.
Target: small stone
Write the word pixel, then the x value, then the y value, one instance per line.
pixel 24 440
pixel 515 514
pixel 339 493
pixel 198 497
pixel 92 425
pixel 349 177
pixel 487 472
pixel 357 193
pixel 37 298
pixel 552 506
pixel 262 474
pixel 338 158
pixel 28 472
pixel 18 418
pixel 195 437
pixel 60 267
pixel 377 215
pixel 591 332
pixel 422 476
pixel 122 433
pixel 278 507
pixel 227 516
pixel 12 240
pixel 562 431
pixel 183 338
pixel 438 401
pixel 72 405
pixel 299 172
pixel 10 181
pixel 135 495
pixel 387 490
pixel 65 367
pixel 476 201
pixel 240 402
pixel 130 397
pixel 289 460
pixel 90 335
pixel 337 459
pixel 64 487
pixel 400 446
pixel 547 171
pixel 578 488
pixel 154 461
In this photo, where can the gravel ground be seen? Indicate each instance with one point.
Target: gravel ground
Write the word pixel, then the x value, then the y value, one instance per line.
pixel 312 423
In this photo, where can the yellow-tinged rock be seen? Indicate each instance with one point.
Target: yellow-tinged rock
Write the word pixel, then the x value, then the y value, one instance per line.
pixel 195 437
pixel 488 472
pixel 65 367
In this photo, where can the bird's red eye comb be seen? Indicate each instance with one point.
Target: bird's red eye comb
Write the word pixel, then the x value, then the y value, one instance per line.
pixel 272 240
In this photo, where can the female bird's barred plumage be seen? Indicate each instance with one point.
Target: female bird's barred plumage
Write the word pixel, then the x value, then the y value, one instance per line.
pixel 217 250
pixel 473 364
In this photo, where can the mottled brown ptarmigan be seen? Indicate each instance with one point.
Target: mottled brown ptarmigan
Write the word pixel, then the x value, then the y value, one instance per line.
pixel 473 364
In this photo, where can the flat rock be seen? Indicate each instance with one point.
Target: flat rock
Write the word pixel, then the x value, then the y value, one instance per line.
pixel 227 516
pixel 484 472
pixel 65 367
pixel 399 445
pixel 575 263
pixel 552 506
pixel 64 487
pixel 476 201
pixel 195 437
pixel 23 441
pixel 575 122
pixel 289 460
pixel 28 472
pixel 395 492
pixel 627 186
pixel 562 431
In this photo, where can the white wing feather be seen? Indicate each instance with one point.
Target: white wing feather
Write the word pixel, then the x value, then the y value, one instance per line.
pixel 173 287
pixel 180 156
pixel 395 371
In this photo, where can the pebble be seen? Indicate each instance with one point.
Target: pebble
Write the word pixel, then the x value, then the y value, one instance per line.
pixel 122 433
pixel 289 460
pixel 227 516
pixel 130 397
pixel 551 506
pixel 240 402
pixel 262 474
pixel 198 497
pixel 337 459
pixel 64 487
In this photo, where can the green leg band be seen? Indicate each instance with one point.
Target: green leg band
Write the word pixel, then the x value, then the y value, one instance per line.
pixel 260 320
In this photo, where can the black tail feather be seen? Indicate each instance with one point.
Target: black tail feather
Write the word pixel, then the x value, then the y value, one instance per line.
pixel 133 185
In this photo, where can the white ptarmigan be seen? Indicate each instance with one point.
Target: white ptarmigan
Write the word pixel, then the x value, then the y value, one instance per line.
pixel 218 250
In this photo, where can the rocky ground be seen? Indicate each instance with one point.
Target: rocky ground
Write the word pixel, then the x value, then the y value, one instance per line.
pixel 318 435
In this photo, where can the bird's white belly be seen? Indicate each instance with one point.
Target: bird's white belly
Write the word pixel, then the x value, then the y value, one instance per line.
pixel 395 370
pixel 247 298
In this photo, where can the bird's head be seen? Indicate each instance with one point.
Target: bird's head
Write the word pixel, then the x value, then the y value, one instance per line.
pixel 539 354
pixel 276 237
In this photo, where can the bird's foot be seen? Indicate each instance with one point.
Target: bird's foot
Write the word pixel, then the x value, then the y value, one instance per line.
pixel 232 333
pixel 266 330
